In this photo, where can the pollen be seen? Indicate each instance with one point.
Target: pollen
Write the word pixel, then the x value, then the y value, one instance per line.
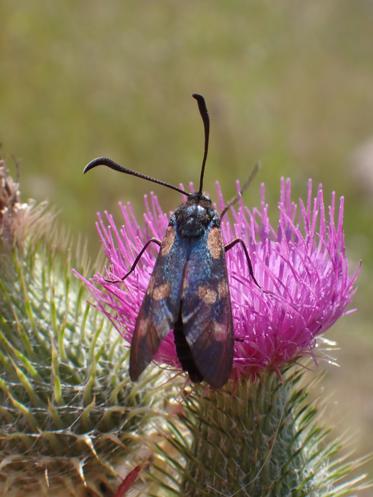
pixel 214 243
pixel 162 291
pixel 168 241
pixel 207 295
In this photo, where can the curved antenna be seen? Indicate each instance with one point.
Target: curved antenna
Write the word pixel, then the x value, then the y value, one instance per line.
pixel 206 123
pixel 105 161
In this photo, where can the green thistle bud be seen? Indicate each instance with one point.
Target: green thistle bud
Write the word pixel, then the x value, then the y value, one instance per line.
pixel 261 439
pixel 71 420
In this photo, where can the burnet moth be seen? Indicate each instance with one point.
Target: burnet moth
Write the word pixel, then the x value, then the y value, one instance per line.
pixel 188 291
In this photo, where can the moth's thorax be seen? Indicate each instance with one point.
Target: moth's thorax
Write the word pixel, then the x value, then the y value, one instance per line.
pixel 193 217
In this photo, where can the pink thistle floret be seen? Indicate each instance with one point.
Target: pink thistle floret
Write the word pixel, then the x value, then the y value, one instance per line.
pixel 300 264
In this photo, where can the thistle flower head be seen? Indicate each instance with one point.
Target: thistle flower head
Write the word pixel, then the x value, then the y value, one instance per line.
pixel 299 262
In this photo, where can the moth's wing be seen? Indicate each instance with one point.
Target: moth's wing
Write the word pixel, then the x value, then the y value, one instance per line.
pixel 206 308
pixel 160 307
pixel 184 352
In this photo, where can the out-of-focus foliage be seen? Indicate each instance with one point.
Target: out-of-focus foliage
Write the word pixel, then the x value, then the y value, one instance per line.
pixel 288 83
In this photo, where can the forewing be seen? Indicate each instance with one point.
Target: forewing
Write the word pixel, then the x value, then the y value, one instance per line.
pixel 206 308
pixel 161 304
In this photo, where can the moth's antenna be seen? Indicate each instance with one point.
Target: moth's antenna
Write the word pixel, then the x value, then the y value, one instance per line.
pixel 105 161
pixel 206 123
pixel 245 186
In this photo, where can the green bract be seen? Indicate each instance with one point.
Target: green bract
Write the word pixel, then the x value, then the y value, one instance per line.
pixel 70 417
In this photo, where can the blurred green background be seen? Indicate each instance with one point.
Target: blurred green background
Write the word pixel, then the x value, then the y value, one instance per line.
pixel 289 83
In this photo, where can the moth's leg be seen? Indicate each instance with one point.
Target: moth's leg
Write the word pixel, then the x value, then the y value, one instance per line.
pixel 138 257
pixel 248 260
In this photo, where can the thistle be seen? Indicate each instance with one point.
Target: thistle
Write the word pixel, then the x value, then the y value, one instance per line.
pixel 300 264
pixel 70 418
pixel 259 435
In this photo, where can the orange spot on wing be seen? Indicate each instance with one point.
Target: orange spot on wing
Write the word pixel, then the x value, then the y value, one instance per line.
pixel 214 243
pixel 207 295
pixel 168 241
pixel 142 327
pixel 151 285
pixel 220 331
pixel 161 292
pixel 222 289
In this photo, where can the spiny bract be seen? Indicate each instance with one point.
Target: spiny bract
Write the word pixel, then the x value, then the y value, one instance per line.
pixel 70 417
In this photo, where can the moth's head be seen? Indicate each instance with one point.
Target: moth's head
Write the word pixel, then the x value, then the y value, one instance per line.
pixel 199 198
pixel 194 216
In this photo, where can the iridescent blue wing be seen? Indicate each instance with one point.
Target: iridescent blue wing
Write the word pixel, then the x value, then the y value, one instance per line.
pixel 206 312
pixel 160 307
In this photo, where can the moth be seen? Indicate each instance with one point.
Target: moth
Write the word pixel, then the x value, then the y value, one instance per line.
pixel 188 291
